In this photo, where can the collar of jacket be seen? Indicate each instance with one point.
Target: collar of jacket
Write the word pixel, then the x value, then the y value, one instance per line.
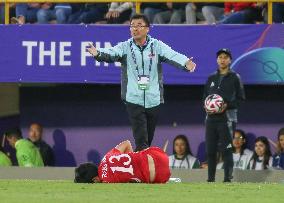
pixel 148 37
pixel 228 73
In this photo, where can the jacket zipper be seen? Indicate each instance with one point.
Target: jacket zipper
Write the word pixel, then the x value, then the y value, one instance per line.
pixel 141 50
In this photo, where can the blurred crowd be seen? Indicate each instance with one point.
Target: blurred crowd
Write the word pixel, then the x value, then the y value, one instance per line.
pixel 158 13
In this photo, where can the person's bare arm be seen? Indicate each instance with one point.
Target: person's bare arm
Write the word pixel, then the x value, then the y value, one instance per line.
pixel 125 147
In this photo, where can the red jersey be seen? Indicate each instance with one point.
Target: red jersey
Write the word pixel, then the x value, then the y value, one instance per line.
pixel 117 167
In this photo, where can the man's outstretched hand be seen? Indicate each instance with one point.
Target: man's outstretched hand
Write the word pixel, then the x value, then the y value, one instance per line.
pixel 190 65
pixel 92 50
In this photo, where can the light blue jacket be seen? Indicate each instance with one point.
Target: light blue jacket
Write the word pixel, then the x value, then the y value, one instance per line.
pixel 153 52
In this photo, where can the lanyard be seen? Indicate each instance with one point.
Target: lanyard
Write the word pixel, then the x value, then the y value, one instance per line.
pixel 135 61
pixel 238 162
pixel 181 162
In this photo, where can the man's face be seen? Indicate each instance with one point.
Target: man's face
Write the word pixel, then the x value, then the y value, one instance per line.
pixel 138 29
pixel 223 61
pixel 259 148
pixel 35 133
pixel 12 141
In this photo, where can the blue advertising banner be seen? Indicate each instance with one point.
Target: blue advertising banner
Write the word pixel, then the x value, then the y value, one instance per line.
pixel 57 53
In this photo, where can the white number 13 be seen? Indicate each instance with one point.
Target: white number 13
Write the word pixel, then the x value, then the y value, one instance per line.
pixel 126 163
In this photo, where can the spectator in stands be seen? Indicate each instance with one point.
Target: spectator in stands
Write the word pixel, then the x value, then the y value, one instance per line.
pixel 88 13
pixel 26 152
pixel 35 136
pixel 26 13
pixel 241 155
pixel 261 158
pixel 151 9
pixel 182 157
pixel 193 13
pixel 58 12
pixel 4 159
pixel 278 12
pixel 174 15
pixel 239 13
pixel 278 158
pixel 213 12
pixel 119 13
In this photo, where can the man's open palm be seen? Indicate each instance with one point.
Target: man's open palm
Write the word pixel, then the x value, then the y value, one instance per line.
pixel 92 50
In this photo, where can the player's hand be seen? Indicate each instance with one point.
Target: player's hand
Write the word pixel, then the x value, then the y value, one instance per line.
pixel 190 65
pixel 92 50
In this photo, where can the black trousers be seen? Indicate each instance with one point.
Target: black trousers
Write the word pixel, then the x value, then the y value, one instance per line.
pixel 143 122
pixel 219 138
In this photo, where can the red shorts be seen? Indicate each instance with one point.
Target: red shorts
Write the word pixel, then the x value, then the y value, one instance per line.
pixel 161 161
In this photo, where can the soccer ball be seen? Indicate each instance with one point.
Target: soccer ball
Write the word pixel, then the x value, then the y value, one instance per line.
pixel 213 103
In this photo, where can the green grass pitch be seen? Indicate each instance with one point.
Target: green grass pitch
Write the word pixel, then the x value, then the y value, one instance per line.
pixel 29 191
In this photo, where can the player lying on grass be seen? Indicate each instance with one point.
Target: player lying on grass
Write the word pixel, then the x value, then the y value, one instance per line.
pixel 122 165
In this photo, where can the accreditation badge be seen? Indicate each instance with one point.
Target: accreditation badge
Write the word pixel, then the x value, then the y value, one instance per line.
pixel 143 82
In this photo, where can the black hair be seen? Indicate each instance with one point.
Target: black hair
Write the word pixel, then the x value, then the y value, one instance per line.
pixel 141 16
pixel 280 132
pixel 187 147
pixel 267 153
pixel 85 173
pixel 14 132
pixel 244 137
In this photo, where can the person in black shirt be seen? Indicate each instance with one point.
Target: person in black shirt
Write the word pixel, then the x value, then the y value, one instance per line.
pixel 35 136
pixel 220 126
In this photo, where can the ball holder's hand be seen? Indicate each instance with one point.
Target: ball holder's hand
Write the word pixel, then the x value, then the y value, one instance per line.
pixel 92 50
pixel 224 107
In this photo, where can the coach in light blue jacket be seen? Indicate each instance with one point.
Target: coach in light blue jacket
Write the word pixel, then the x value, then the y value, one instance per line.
pixel 141 78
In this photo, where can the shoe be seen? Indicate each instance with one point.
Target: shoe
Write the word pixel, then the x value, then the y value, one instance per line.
pixel 228 180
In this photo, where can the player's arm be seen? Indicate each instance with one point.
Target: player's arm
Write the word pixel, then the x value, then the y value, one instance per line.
pixel 125 147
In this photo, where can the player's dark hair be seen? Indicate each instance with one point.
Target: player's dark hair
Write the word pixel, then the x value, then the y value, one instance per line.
pixel 14 132
pixel 141 16
pixel 267 153
pixel 187 147
pixel 85 173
